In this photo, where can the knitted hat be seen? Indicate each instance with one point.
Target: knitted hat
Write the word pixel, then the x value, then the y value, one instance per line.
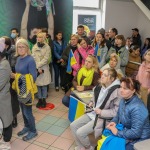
pixel 2 44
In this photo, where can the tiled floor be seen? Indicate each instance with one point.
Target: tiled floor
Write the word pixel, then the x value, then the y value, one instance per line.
pixel 52 125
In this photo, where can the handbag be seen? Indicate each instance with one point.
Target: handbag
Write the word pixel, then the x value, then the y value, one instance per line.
pixel 23 96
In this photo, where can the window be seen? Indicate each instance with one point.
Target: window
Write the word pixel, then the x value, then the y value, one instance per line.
pixel 86 3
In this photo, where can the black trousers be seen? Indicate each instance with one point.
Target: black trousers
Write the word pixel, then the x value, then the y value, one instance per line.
pixel 7 133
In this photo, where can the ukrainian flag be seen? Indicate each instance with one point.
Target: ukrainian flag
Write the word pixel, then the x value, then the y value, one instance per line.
pixel 76 108
pixel 71 62
pixel 97 53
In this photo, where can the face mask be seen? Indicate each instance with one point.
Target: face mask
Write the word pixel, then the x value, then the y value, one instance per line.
pixel 13 35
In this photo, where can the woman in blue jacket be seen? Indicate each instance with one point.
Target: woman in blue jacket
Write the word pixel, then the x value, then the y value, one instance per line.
pixel 132 114
pixel 59 46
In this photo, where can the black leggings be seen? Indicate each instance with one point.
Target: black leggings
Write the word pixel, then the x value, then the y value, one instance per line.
pixel 7 133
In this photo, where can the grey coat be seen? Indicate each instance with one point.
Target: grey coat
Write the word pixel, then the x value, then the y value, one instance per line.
pixel 5 98
pixel 123 54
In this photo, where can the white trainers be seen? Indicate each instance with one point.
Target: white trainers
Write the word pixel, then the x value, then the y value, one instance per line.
pixel 5 146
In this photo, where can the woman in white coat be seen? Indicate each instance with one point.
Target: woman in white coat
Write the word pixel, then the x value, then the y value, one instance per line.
pixel 41 54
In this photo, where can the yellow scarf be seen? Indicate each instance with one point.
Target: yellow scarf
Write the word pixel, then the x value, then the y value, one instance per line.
pixel 88 74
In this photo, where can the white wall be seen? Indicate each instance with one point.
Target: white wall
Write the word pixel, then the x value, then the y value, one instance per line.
pixel 125 15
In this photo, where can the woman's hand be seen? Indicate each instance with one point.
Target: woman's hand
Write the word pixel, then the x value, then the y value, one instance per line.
pixel 78 45
pixel 113 130
pixel 12 75
pixel 80 88
pixel 40 71
pixel 110 124
pixel 97 111
pixel 90 104
pixel 61 60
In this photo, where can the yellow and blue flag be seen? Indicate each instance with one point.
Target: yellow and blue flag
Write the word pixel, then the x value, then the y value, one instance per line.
pixel 71 62
pixel 76 108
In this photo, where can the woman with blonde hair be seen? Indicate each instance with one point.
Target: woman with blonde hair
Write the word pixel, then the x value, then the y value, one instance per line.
pixel 105 103
pixel 114 63
pixel 120 49
pixel 41 54
pixel 86 78
pixel 25 65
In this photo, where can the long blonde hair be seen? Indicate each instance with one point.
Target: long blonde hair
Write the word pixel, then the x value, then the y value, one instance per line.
pixel 25 43
pixel 95 62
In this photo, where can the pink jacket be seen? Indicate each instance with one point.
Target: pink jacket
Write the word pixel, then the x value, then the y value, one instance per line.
pixel 85 52
pixel 143 75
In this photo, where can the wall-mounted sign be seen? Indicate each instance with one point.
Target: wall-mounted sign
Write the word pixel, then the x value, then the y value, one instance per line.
pixel 90 22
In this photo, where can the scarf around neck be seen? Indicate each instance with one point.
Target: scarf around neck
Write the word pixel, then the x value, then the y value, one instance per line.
pixel 88 74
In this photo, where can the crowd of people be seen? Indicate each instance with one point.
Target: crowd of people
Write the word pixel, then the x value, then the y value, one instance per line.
pixel 115 68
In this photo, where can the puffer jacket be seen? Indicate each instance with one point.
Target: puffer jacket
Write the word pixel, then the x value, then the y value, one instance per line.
pixel 134 116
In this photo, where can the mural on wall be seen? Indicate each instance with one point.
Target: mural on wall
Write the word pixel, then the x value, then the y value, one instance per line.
pixel 29 14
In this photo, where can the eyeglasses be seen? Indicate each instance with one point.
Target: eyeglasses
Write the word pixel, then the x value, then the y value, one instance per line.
pixel 21 47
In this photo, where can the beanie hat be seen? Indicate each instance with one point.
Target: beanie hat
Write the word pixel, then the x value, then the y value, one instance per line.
pixel 2 44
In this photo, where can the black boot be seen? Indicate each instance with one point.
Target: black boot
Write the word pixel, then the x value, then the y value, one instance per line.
pixel 39 104
pixel 43 103
pixel 14 123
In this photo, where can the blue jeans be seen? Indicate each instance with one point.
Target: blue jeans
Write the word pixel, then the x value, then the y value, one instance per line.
pixel 57 70
pixel 28 118
pixel 42 92
pixel 66 99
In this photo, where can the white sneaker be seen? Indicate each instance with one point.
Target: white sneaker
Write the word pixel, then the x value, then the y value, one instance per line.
pixel 5 146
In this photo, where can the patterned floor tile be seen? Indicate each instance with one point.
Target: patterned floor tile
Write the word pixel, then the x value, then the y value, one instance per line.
pixel 55 130
pixel 42 126
pixel 47 139
pixel 50 119
pixel 63 123
pixel 62 143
